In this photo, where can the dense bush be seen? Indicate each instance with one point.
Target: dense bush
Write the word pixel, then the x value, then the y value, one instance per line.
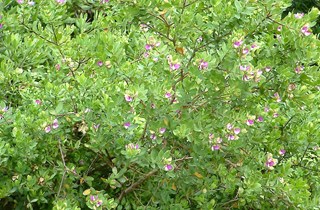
pixel 161 104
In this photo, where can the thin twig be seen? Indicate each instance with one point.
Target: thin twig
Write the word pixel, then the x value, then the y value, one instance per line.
pixel 136 184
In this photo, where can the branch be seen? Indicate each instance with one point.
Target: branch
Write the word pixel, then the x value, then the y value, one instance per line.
pixel 137 184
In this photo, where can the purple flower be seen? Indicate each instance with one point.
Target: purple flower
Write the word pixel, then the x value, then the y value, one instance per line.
pixel 266 109
pixel 153 136
pixel 168 95
pixel 128 98
pixel 245 51
pixel 279 28
pixel 215 147
pixel 253 46
pixel 237 44
pixel 282 152
pixel 100 63
pixel 132 146
pixel 275 115
pixel 127 125
pixel 244 68
pixel 250 122
pixel 305 30
pixel 162 130
pixel 298 15
pixel 38 101
pixel 270 162
pixel 92 198
pixel 277 96
pixel 260 119
pixel 47 129
pixel 203 65
pixel 231 137
pixel 57 66
pixel 236 131
pixel 168 167
pixel 268 68
pixel 174 66
pixel 55 124
pixel 20 1
pixel 299 69
pixel 96 126
pixel 1 25
pixel 245 78
pixel 148 47
pixel 99 203
pixel 146 55
pixel 229 126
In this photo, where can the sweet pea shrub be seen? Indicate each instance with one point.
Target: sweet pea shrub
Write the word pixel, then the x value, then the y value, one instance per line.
pixel 158 104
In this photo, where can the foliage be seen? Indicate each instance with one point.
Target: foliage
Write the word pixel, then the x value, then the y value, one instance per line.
pixel 158 104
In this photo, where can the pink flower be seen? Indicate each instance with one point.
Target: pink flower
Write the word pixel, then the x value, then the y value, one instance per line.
pixel 99 203
pixel 203 65
pixel 245 78
pixel 20 1
pixel 38 102
pixel 282 152
pixel 260 119
pixel 244 68
pixel 299 69
pixel 96 126
pixel 174 66
pixel 231 137
pixel 245 51
pixel 100 63
pixel 277 96
pixel 229 126
pixel 1 25
pixel 148 47
pixel 253 46
pixel 168 95
pixel 298 15
pixel 211 135
pixel 270 163
pixel 55 124
pixel 215 147
pixel 237 44
pixel 168 167
pixel 275 115
pixel 153 106
pixel 92 198
pixel 162 130
pixel 47 129
pixel 305 30
pixel 250 122
pixel 127 125
pixel 128 98
pixel 266 109
pixel 268 68
pixel 104 1
pixel 145 54
pixel 153 136
pixel 57 66
pixel 236 131
pixel 279 28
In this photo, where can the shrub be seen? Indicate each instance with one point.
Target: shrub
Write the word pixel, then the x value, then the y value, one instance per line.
pixel 158 105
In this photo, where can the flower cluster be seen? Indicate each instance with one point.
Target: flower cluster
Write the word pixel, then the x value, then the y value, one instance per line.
pixel 305 30
pixel 271 162
pixel 94 199
pixel 54 125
